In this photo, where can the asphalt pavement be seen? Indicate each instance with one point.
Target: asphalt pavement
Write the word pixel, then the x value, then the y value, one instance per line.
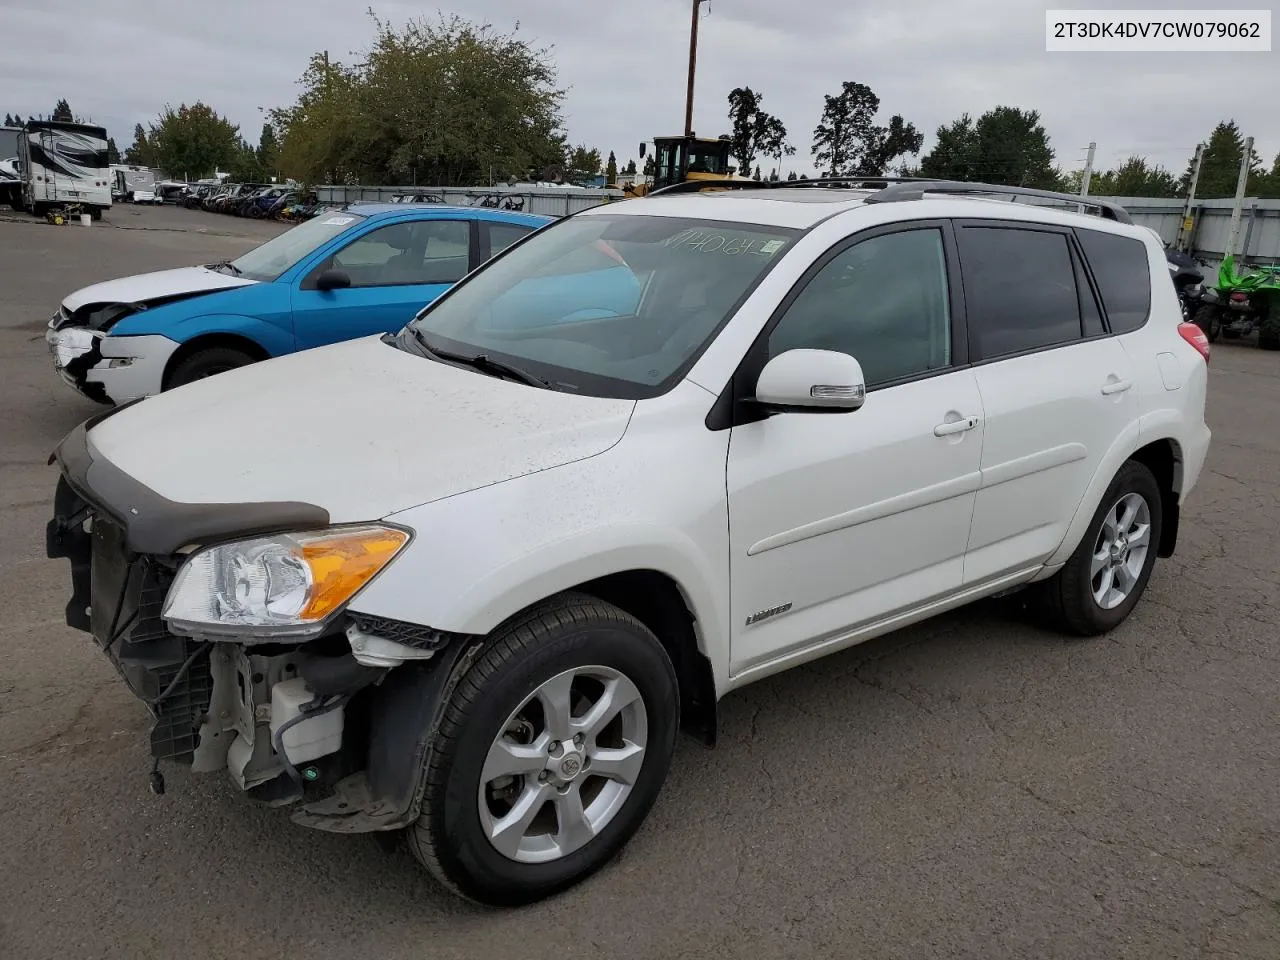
pixel 971 787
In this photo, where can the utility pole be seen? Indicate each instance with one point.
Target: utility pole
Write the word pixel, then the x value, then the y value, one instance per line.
pixel 1242 183
pixel 693 60
pixel 1088 175
pixel 1183 240
pixel 1088 170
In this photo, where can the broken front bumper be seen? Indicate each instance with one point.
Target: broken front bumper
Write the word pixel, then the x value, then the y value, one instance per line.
pixel 292 723
pixel 108 369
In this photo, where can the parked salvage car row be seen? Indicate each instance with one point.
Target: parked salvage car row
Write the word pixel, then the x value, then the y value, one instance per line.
pixel 464 577
pixel 259 201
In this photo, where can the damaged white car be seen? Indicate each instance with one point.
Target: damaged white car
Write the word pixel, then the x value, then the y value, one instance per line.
pixel 464 583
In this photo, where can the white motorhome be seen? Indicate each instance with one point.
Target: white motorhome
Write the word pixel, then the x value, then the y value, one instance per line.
pixel 10 180
pixel 64 163
pixel 132 183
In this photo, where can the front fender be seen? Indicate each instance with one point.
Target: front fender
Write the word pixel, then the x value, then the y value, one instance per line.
pixel 655 502
pixel 270 337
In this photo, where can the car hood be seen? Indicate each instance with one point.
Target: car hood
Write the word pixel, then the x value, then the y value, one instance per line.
pixel 153 286
pixel 360 428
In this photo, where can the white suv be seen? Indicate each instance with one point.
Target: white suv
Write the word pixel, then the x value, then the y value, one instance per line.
pixel 467 582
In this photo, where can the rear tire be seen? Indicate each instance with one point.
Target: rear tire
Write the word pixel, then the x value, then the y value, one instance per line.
pixel 1209 319
pixel 1269 328
pixel 576 821
pixel 1075 600
pixel 207 363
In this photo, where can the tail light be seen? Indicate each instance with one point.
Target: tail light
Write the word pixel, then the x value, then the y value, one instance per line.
pixel 1195 336
pixel 1239 297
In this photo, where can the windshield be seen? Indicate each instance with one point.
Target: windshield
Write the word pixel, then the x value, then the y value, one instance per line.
pixel 606 304
pixel 278 254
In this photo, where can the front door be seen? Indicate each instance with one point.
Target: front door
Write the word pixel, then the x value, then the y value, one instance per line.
pixel 395 270
pixel 839 520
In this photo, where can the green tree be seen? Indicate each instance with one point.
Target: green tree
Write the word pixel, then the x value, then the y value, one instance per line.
pixel 268 149
pixel 193 141
pixel 245 165
pixel 649 166
pixel 848 142
pixel 1006 145
pixel 611 169
pixel 113 153
pixel 584 163
pixel 140 152
pixel 793 176
pixel 1220 169
pixel 445 102
pixel 630 168
pixel 755 132
pixel 8 120
pixel 1133 178
pixel 62 112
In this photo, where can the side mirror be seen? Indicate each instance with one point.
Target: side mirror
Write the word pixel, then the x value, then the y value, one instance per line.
pixel 811 381
pixel 643 144
pixel 333 280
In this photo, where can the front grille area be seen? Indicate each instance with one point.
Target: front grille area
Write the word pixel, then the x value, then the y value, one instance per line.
pixel 168 672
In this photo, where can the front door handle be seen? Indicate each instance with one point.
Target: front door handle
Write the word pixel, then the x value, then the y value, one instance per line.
pixel 1116 386
pixel 955 426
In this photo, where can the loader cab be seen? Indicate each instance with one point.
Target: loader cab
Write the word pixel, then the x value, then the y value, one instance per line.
pixel 677 159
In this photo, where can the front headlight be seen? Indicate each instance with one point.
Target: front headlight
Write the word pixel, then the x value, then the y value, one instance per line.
pixel 284 585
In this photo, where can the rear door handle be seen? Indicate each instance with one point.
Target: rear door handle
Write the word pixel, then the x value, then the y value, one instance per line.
pixel 1116 386
pixel 955 426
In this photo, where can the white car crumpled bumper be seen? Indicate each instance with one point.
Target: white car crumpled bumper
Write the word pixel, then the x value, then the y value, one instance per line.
pixel 109 369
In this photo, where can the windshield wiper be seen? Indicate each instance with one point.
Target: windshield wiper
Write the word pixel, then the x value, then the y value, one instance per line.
pixel 226 263
pixel 479 362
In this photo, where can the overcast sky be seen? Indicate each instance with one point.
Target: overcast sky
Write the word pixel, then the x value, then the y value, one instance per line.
pixel 625 66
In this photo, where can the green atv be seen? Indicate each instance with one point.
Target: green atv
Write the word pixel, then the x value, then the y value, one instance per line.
pixel 1241 302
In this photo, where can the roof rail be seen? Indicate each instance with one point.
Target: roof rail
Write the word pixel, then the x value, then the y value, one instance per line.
pixel 915 190
pixel 855 183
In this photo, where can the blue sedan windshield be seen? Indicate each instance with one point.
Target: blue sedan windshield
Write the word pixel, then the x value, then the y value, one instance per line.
pixel 268 261
pixel 611 304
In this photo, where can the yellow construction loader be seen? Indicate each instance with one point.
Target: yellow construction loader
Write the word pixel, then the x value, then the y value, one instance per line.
pixel 681 159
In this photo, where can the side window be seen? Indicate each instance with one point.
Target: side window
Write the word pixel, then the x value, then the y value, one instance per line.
pixel 421 251
pixel 1120 267
pixel 884 301
pixel 1089 313
pixel 503 235
pixel 1020 289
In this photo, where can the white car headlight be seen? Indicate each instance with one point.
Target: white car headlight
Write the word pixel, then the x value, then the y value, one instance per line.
pixel 72 342
pixel 284 585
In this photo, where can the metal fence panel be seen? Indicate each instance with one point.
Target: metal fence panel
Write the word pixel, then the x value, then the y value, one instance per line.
pixel 549 201
pixel 1212 217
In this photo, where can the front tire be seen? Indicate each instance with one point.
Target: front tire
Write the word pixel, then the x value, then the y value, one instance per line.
pixel 206 363
pixel 1100 585
pixel 552 750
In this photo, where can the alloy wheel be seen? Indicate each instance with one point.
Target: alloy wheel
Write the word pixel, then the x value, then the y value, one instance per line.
pixel 1120 552
pixel 563 764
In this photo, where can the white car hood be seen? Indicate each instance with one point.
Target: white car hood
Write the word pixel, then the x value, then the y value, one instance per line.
pixel 361 429
pixel 149 286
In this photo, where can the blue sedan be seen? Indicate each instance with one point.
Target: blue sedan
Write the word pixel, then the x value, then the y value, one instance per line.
pixel 350 272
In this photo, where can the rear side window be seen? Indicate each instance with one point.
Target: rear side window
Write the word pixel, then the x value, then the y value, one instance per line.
pixel 1120 267
pixel 1020 288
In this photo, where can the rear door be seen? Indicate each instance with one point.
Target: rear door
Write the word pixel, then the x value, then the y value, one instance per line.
pixel 496 236
pixel 1056 388
pixel 396 269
